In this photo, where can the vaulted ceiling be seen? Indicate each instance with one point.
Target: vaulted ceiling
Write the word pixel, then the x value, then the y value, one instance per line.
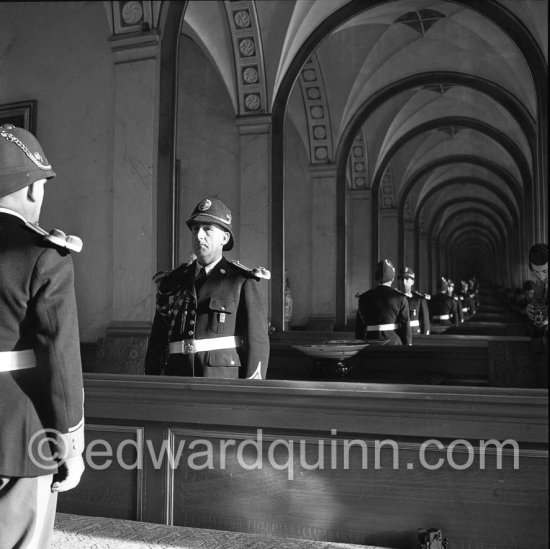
pixel 445 101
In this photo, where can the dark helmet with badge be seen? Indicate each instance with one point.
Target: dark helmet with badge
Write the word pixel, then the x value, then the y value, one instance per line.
pixel 213 212
pixel 22 160
pixel 406 272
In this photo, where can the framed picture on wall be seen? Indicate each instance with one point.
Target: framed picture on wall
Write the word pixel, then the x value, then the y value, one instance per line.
pixel 21 114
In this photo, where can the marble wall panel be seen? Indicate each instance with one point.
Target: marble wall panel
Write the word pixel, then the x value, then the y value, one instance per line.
pixel 57 53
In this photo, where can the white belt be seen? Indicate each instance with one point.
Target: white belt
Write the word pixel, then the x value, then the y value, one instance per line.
pixel 382 327
pixel 190 346
pixel 415 323
pixel 442 317
pixel 17 360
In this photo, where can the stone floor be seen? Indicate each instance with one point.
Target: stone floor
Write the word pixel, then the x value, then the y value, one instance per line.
pixel 83 532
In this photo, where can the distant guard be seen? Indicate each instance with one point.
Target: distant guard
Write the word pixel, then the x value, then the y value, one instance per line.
pixel 442 307
pixel 418 305
pixel 210 319
pixel 383 312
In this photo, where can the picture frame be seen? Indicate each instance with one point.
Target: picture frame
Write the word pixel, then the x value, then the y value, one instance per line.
pixel 21 114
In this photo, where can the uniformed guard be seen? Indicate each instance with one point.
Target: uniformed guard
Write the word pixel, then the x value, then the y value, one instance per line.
pixel 442 307
pixel 383 312
pixel 473 290
pixel 465 299
pixel 41 390
pixel 537 309
pixel 458 303
pixel 418 305
pixel 210 319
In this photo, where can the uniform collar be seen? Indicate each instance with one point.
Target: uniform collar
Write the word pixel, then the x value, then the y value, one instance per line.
pixel 207 268
pixel 12 212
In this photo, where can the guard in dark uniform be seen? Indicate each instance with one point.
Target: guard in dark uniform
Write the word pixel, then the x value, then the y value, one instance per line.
pixel 418 305
pixel 465 300
pixel 473 290
pixel 210 319
pixel 442 307
pixel 383 312
pixel 40 370
pixel 451 293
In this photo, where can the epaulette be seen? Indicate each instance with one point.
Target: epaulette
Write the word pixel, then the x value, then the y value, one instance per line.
pixel 58 237
pixel 399 291
pixel 425 296
pixel 157 277
pixel 257 272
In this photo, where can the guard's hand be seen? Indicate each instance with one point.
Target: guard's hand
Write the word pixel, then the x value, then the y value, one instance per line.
pixel 68 474
pixel 530 311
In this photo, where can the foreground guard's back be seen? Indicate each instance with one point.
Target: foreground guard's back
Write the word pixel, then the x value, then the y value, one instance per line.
pixel 40 367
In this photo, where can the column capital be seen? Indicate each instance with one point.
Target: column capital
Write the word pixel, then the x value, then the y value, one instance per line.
pixel 135 46
pixel 360 194
pixel 323 170
pixel 254 125
pixel 388 212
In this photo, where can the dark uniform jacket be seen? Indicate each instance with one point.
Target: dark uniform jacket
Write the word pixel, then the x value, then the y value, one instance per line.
pixel 442 305
pixel 467 305
pixel 229 303
pixel 459 311
pixel 418 313
pixel 38 312
pixel 384 305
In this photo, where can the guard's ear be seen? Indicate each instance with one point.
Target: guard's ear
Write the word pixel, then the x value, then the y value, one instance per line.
pixel 227 236
pixel 31 193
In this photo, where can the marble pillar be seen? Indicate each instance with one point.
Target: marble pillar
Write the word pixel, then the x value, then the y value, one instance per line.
pixel 136 61
pixel 423 282
pixel 359 268
pixel 388 235
pixel 323 265
pixel 255 214
pixel 408 251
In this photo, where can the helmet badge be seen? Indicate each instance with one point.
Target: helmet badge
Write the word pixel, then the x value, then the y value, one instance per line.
pixel 205 205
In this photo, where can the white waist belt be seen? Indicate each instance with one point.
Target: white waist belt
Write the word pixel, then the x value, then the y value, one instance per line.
pixel 382 327
pixel 190 346
pixel 415 323
pixel 17 360
pixel 442 317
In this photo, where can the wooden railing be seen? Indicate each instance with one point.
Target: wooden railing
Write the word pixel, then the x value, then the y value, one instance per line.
pixel 366 502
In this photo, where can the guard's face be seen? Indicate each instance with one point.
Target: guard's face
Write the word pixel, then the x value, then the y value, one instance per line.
pixel 540 272
pixel 208 242
pixel 408 284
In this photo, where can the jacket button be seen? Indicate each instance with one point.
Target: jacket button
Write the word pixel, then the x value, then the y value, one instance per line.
pixel 222 308
pixel 192 322
pixel 190 332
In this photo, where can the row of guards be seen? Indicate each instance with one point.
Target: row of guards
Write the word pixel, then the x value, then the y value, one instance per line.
pixel 395 315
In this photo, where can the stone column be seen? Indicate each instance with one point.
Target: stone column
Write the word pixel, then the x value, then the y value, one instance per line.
pixel 388 235
pixel 423 281
pixel 323 264
pixel 254 244
pixel 359 270
pixel 136 61
pixel 408 252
